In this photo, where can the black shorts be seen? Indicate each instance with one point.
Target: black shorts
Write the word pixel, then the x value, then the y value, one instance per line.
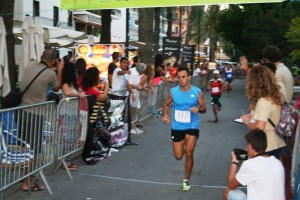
pixel 228 80
pixel 178 135
pixel 216 99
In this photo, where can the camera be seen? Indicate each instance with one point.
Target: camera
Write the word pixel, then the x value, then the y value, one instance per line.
pixel 240 154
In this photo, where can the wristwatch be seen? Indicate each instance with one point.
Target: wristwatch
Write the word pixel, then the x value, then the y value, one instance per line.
pixel 235 163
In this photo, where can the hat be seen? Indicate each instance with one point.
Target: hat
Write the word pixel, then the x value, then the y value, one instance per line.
pixel 140 67
pixel 216 72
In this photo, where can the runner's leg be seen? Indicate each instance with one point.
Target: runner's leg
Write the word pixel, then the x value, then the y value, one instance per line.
pixel 190 143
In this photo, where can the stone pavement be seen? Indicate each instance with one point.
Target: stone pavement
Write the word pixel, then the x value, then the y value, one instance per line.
pixel 148 171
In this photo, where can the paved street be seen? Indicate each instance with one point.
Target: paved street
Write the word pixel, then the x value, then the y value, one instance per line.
pixel 148 171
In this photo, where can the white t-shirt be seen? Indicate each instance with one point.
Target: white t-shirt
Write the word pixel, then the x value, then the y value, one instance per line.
pixel 134 79
pixel 196 72
pixel 285 76
pixel 118 81
pixel 264 178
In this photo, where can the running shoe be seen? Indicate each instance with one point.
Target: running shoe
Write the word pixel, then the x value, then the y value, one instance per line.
pixel 186 185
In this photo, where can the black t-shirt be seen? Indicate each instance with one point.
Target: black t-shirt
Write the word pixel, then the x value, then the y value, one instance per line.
pixel 111 67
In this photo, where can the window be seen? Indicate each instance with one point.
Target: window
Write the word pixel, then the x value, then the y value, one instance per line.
pixel 55 15
pixel 70 18
pixel 36 8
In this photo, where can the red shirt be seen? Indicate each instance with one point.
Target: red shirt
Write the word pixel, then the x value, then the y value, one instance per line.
pixel 216 87
pixel 92 91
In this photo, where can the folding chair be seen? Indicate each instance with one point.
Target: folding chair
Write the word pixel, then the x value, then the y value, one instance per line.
pixel 13 149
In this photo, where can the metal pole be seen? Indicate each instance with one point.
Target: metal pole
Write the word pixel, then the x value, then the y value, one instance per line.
pixel 127 32
pixel 198 37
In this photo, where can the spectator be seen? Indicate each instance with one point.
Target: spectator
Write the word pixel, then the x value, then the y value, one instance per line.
pixel 38 91
pixel 80 68
pixel 272 67
pixel 273 54
pixel 197 71
pixel 119 78
pixel 146 82
pixel 136 61
pixel 266 99
pixel 159 69
pixel 30 124
pixel 262 174
pixel 112 66
pixel 89 84
pixel 70 116
pixel 134 80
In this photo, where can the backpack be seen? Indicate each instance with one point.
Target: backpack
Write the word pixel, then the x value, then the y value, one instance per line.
pixel 286 124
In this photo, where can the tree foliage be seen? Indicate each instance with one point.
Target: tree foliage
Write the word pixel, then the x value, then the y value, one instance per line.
pixel 251 27
pixel 294 39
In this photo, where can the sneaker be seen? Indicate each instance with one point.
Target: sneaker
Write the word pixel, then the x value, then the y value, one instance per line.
pixel 134 132
pixel 186 185
pixel 139 131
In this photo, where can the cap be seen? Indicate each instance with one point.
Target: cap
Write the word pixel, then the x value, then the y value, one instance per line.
pixel 216 72
pixel 141 67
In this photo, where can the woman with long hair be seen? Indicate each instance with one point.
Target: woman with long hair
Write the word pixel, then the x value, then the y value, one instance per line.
pixel 89 84
pixel 264 93
pixel 69 113
pixel 159 69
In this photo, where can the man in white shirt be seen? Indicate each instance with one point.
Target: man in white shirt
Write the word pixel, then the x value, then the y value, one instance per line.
pixel 119 78
pixel 273 54
pixel 262 174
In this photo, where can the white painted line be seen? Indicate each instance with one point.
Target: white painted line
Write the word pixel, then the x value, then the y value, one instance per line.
pixel 152 182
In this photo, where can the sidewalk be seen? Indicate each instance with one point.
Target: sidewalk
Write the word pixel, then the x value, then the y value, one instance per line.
pixel 148 171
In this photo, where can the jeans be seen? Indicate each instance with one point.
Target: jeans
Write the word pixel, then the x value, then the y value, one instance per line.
pixel 237 194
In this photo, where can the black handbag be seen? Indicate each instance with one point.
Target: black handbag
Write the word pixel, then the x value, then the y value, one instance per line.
pixel 14 98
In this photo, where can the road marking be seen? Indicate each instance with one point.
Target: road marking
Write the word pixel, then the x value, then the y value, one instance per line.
pixel 153 182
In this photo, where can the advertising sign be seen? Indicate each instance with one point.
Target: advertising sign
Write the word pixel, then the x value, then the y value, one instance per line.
pixel 171 49
pixel 188 52
pixel 110 4
pixel 98 55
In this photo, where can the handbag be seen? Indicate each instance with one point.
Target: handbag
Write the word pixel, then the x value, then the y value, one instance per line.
pixel 14 98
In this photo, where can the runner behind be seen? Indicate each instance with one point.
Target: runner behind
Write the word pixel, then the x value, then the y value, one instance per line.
pixel 216 86
pixel 228 78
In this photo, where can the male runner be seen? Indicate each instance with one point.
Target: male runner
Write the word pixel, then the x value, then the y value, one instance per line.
pixel 228 78
pixel 186 101
pixel 216 86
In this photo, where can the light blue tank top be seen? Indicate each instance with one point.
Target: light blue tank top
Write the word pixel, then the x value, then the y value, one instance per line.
pixel 182 117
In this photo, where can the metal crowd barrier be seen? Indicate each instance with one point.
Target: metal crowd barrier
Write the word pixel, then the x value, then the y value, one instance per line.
pixel 71 128
pixel 27 143
pixel 33 137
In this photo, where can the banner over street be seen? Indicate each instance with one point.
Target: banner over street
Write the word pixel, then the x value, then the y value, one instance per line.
pixel 110 4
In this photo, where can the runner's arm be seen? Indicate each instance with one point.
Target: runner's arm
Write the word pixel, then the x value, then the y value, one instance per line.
pixel 202 108
pixel 167 104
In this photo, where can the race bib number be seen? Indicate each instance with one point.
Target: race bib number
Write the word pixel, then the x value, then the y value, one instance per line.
pixel 182 116
pixel 215 89
pixel 229 75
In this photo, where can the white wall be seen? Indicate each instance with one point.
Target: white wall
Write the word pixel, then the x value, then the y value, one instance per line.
pixel 118 28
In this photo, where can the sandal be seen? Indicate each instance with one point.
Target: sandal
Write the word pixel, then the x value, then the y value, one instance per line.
pixel 71 167
pixel 35 188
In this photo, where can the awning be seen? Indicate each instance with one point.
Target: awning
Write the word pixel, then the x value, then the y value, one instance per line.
pixel 54 36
